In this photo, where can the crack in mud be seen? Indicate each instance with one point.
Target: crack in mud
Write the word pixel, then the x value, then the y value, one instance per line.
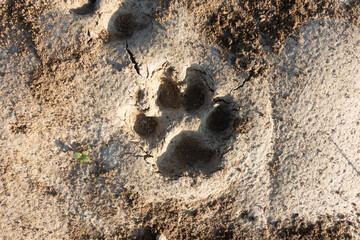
pixel 132 59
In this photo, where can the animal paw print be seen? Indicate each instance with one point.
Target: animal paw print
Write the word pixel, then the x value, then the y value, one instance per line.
pixel 191 125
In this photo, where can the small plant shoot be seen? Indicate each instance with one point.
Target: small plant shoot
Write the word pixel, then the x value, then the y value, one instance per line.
pixel 83 156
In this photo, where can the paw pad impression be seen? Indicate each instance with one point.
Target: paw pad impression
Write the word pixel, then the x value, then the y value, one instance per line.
pixel 189 151
pixel 169 94
pixel 145 126
pixel 220 119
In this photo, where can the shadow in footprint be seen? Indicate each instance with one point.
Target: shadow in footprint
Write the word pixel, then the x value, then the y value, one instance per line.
pixel 125 22
pixel 187 152
pixel 220 120
pixel 168 94
pixel 196 93
pixel 88 8
pixel 144 125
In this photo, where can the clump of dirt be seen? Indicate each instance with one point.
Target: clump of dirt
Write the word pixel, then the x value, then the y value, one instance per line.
pixel 169 94
pixel 18 128
pixel 144 125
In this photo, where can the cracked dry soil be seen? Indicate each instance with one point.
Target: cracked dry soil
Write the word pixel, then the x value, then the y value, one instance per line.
pixel 37 183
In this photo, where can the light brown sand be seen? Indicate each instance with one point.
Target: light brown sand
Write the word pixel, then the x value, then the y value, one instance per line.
pixel 74 75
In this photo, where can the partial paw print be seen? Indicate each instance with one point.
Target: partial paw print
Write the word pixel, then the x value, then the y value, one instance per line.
pixel 185 128
pixel 127 21
pixel 88 8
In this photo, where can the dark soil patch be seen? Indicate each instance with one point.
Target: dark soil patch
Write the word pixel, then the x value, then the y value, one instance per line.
pixel 50 84
pixel 325 228
pixel 18 128
pixel 353 11
pixel 17 16
pixel 246 29
pixel 163 217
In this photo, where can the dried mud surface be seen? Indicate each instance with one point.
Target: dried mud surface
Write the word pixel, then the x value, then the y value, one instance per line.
pixel 251 28
pixel 245 33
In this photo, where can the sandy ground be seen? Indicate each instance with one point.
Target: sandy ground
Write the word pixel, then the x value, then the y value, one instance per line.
pixel 203 119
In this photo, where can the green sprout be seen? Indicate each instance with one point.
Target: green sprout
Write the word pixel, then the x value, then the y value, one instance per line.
pixel 83 156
